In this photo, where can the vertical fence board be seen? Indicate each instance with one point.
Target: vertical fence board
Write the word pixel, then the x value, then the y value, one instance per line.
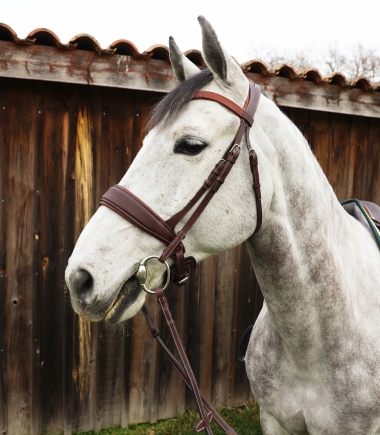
pixel 223 315
pixel 205 327
pixel 4 109
pixel 21 270
pixel 52 260
pixel 373 159
pixel 250 304
pixel 321 136
pixel 142 399
pixel 359 146
pixel 200 334
pixel 93 104
pixel 341 157
pixel 233 332
pixel 84 208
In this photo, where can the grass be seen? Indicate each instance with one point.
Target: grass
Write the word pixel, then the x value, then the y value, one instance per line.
pixel 244 420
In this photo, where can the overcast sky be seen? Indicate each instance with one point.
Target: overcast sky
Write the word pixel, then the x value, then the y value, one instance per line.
pixel 242 26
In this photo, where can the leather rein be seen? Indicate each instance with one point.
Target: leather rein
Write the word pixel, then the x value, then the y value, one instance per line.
pixel 135 211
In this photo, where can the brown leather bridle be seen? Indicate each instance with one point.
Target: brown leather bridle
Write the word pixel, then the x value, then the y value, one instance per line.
pixel 134 210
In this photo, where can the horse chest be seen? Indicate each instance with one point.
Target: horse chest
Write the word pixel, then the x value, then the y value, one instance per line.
pixel 339 397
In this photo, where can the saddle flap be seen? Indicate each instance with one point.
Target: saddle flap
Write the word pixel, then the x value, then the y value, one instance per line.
pixel 373 211
pixel 367 213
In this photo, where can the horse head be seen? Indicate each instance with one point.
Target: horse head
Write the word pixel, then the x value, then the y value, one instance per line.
pixel 186 139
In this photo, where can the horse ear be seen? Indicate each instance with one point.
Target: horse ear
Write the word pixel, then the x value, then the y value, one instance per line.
pixel 183 68
pixel 225 69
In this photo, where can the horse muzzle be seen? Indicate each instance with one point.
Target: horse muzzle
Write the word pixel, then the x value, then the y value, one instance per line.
pixel 92 307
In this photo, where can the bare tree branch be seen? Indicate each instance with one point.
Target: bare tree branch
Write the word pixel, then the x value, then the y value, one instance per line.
pixel 355 62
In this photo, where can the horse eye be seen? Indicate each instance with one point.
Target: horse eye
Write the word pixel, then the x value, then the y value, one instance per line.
pixel 189 146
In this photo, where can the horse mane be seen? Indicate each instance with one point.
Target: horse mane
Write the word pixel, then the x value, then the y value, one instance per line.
pixel 167 108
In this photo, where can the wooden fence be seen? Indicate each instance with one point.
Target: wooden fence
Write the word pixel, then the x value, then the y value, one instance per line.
pixel 61 146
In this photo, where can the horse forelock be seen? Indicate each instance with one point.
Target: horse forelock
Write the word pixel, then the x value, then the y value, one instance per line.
pixel 171 105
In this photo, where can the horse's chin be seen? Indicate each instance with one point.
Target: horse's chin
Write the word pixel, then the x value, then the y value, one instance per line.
pixel 128 302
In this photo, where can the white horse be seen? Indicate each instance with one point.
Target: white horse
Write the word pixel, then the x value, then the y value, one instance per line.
pixel 313 360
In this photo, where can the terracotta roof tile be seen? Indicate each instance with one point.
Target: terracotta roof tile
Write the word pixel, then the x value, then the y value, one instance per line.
pixel 361 83
pixel 49 38
pixel 122 46
pixel 256 66
pixel 8 34
pixel 311 75
pixel 196 57
pixel 286 70
pixel 89 43
pixel 336 78
pixel 158 51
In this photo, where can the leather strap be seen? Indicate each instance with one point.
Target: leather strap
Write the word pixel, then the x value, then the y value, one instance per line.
pixel 204 423
pixel 219 180
pixel 209 407
pixel 130 207
pixel 246 115
pixel 212 96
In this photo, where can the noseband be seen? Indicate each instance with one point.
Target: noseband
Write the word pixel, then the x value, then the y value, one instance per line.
pixel 135 211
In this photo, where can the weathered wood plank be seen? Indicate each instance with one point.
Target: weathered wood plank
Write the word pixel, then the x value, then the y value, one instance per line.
pixel 119 71
pixel 233 331
pixel 320 139
pixel 21 269
pixel 142 398
pixel 84 67
pixel 223 315
pixel 52 181
pixel 4 149
pixel 69 332
pixel 324 97
pixel 83 368
pixel 93 104
pixel 341 176
pixel 200 335
pixel 205 328
pixel 250 304
pixel 359 147
pixel 372 162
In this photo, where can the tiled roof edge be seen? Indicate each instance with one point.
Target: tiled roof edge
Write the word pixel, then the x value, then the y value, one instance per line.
pixel 124 47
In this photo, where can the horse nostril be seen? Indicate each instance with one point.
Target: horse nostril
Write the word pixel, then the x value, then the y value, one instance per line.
pixel 83 283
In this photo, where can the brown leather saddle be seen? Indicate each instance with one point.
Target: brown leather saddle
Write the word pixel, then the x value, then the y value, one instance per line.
pixel 367 213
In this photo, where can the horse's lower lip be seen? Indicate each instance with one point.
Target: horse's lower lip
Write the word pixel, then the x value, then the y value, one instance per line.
pixel 127 295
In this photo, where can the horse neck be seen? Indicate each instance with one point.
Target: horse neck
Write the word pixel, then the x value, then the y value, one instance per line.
pixel 295 254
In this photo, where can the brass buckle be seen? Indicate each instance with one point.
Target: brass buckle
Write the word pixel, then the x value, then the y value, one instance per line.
pixel 141 274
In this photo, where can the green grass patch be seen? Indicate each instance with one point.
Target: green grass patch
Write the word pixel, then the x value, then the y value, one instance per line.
pixel 244 420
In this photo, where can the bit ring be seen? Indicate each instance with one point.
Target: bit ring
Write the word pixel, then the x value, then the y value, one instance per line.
pixel 141 274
